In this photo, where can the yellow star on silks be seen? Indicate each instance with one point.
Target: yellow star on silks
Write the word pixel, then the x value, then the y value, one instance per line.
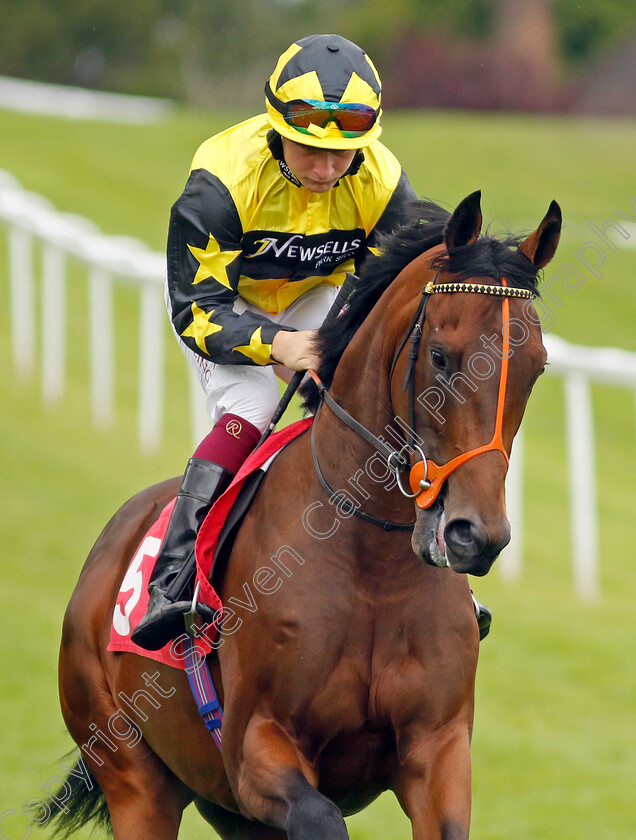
pixel 213 262
pixel 201 328
pixel 256 350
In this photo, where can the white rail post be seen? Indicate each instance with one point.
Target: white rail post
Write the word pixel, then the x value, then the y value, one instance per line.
pixel 151 365
pixel 101 345
pixel 53 322
pixel 22 299
pixel 512 557
pixel 582 472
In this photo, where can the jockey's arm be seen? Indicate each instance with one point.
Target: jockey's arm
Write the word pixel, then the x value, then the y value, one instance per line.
pixel 204 264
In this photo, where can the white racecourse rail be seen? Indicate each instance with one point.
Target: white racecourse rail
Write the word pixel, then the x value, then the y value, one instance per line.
pixel 33 223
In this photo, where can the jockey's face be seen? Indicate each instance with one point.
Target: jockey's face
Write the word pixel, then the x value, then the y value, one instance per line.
pixel 317 169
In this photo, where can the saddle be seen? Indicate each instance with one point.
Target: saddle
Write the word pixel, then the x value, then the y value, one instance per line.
pixel 213 548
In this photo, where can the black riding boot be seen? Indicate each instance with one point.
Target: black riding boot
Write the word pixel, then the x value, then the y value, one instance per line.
pixel 203 482
pixel 484 618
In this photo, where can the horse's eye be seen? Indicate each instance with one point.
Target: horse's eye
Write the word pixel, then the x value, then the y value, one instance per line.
pixel 437 357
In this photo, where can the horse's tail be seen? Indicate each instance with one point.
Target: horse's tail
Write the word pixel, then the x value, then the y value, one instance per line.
pixel 78 801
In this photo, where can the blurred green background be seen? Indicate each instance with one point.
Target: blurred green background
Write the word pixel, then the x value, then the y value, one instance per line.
pixel 554 748
pixel 538 55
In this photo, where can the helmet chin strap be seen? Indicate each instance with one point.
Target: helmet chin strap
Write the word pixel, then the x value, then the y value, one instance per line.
pixel 275 143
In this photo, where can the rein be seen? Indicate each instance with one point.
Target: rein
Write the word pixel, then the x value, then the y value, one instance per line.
pixel 386 451
pixel 425 477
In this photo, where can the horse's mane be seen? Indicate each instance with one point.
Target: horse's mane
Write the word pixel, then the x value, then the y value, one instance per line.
pixel 488 256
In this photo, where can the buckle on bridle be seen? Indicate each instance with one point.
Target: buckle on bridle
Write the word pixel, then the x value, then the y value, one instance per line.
pixel 403 464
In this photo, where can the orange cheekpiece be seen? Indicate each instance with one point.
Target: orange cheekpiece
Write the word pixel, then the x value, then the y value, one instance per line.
pixel 428 471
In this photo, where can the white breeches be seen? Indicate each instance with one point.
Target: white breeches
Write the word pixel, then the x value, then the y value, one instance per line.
pixel 251 391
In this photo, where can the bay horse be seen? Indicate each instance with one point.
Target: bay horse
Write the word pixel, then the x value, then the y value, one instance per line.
pixel 357 675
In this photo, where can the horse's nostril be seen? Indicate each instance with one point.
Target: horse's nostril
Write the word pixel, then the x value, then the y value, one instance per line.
pixel 461 531
pixel 464 538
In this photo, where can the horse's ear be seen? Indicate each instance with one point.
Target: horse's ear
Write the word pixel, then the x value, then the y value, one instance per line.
pixel 541 245
pixel 464 225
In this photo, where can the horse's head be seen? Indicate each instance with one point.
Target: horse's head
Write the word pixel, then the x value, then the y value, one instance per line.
pixel 479 356
pixel 442 323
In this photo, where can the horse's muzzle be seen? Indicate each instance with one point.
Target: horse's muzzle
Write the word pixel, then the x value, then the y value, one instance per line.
pixel 461 543
pixel 470 549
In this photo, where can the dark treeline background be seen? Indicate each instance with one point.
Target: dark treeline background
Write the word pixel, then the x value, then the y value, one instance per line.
pixel 515 54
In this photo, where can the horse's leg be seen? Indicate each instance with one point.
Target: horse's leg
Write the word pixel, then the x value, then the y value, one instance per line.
pixel 142 800
pixel 145 799
pixel 433 783
pixel 231 826
pixel 275 784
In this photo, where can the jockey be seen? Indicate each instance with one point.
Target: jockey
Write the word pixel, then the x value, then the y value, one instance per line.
pixel 274 214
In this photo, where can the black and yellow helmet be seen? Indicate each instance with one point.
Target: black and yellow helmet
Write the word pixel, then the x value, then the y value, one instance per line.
pixel 325 92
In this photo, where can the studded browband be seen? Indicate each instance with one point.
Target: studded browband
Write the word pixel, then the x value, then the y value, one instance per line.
pixel 432 288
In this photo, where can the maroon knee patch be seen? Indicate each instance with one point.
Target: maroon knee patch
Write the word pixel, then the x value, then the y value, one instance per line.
pixel 229 443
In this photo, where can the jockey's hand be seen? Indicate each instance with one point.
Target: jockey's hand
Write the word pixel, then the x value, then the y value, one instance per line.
pixel 296 350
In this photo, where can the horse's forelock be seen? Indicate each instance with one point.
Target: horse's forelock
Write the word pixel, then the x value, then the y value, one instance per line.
pixel 491 256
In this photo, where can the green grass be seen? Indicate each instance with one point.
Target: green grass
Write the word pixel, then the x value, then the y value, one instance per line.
pixel 554 749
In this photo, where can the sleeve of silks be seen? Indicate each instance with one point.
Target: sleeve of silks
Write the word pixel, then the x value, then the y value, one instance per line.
pixel 204 266
pixel 394 214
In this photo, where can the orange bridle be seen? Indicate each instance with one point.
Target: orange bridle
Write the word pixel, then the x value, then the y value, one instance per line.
pixel 426 477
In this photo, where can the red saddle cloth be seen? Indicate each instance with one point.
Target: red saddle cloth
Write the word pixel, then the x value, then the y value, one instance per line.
pixel 132 600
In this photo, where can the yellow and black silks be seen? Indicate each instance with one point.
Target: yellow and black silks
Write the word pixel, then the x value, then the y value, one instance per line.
pixel 242 228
